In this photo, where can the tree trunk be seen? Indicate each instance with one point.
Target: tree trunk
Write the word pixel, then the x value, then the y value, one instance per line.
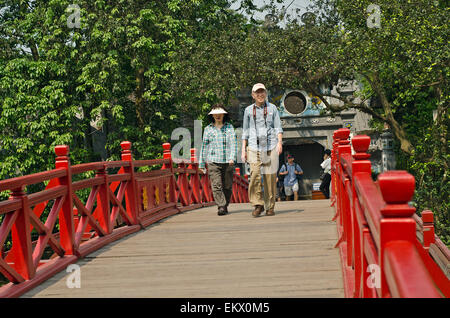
pixel 34 50
pixel 397 130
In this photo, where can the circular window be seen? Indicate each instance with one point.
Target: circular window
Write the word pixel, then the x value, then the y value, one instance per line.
pixel 295 103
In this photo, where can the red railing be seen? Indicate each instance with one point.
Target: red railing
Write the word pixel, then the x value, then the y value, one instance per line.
pixel 380 253
pixel 119 203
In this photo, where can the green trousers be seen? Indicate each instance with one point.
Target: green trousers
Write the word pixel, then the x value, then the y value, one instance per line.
pixel 221 177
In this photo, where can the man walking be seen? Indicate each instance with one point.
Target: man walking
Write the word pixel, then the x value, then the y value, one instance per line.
pixel 263 134
pixel 290 171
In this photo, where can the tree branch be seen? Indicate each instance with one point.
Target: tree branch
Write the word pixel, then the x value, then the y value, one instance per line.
pixel 34 50
pixel 399 133
pixel 361 106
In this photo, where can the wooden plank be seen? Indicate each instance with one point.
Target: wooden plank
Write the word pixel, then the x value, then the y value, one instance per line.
pixel 440 259
pixel 201 254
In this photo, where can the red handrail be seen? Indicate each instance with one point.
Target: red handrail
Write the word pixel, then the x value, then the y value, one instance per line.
pixel 380 253
pixel 119 204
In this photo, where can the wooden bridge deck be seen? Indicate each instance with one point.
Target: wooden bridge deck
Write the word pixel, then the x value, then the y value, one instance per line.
pixel 199 254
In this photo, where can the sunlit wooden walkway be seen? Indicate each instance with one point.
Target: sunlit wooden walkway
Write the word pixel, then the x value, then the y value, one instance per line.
pixel 199 254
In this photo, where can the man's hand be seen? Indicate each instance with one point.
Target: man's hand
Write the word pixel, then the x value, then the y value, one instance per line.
pixel 280 147
pixel 244 156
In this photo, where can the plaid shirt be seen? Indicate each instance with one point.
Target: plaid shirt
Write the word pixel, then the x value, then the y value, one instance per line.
pixel 219 145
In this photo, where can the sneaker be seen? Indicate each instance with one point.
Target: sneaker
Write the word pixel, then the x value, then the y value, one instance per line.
pixel 222 211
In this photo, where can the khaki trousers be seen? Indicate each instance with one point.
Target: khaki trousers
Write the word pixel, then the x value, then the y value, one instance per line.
pixel 268 163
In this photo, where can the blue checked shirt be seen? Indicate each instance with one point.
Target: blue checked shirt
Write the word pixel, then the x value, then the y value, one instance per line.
pixel 267 134
pixel 219 145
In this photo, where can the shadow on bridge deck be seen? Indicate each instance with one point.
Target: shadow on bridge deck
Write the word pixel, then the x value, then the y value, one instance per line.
pixel 200 254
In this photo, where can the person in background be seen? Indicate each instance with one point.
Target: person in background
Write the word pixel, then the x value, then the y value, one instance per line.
pixel 326 180
pixel 219 151
pixel 281 196
pixel 290 172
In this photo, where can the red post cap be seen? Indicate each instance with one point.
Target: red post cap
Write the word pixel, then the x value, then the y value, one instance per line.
pixel 361 144
pixel 334 134
pixel 193 153
pixel 342 133
pixel 126 145
pixel 62 150
pixel 427 216
pixel 397 188
pixel 166 146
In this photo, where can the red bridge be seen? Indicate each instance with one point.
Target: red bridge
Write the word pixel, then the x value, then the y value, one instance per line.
pixel 385 249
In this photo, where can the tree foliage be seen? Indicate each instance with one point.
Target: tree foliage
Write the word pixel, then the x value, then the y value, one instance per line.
pixel 113 72
pixel 401 65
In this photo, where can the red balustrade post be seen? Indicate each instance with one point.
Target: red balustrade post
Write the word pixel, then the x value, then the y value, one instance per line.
pixel 21 251
pixel 336 176
pixel 343 200
pixel 247 199
pixel 360 164
pixel 235 189
pixel 66 223
pixel 333 168
pixel 195 180
pixel 183 184
pixel 167 154
pixel 131 194
pixel 207 186
pixel 240 189
pixel 103 205
pixel 397 189
pixel 428 228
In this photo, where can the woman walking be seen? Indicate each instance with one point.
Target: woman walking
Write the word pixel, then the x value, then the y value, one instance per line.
pixel 219 150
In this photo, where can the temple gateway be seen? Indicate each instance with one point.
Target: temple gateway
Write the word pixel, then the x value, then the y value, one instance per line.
pixel 308 129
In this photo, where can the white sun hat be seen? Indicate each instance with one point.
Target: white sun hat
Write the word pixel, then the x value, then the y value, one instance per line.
pixel 258 86
pixel 217 111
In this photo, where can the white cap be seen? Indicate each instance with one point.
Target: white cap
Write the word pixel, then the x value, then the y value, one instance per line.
pixel 258 86
pixel 217 111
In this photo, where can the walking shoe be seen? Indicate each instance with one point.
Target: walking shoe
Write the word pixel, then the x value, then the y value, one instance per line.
pixel 270 212
pixel 222 211
pixel 257 211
